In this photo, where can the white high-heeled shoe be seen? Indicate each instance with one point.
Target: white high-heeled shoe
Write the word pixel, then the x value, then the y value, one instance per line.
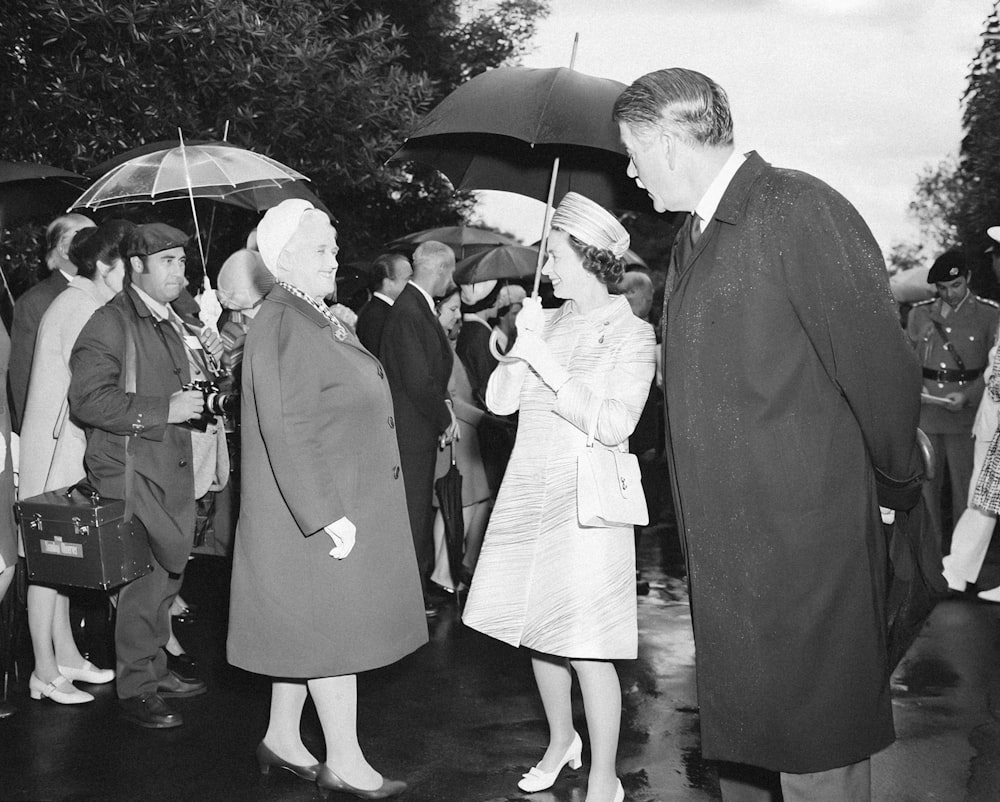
pixel 619 794
pixel 88 673
pixel 60 690
pixel 537 780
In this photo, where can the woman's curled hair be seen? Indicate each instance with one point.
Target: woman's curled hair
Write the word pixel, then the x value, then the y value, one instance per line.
pixel 608 268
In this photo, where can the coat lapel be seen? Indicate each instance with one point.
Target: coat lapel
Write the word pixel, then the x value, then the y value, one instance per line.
pixel 282 296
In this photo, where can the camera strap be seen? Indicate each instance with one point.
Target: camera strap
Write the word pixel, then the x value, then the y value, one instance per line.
pixel 129 382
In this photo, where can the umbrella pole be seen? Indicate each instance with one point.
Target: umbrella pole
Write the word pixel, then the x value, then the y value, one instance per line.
pixel 194 211
pixel 542 246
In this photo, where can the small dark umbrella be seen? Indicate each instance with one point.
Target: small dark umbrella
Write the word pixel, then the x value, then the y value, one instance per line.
pixel 449 494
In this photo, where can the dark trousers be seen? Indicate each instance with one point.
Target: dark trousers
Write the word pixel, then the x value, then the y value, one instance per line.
pixel 740 783
pixel 142 628
pixel 418 480
pixel 953 458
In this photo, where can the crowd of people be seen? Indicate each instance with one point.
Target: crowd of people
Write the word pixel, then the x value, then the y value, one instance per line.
pixel 790 394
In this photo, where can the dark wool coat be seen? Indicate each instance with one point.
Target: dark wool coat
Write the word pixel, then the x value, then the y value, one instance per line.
pixel 161 453
pixel 318 444
pixel 788 384
pixel 28 313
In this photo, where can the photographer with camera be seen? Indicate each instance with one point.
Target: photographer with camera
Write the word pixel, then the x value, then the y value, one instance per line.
pixel 177 452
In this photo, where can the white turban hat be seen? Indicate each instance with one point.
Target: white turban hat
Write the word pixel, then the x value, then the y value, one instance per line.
pixel 277 227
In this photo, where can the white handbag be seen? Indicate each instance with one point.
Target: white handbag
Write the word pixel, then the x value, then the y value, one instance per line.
pixel 609 486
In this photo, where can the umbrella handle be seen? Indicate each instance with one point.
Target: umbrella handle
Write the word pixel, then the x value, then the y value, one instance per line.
pixel 495 349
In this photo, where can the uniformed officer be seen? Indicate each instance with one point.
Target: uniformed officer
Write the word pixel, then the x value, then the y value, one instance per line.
pixel 952 335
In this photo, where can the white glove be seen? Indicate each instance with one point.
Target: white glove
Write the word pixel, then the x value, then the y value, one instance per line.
pixel 531 318
pixel 342 532
pixel 536 352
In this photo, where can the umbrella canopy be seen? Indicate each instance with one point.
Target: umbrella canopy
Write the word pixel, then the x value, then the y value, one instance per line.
pixel 463 240
pixel 502 129
pixel 218 171
pixel 255 198
pixel 501 262
pixel 29 190
pixel 449 493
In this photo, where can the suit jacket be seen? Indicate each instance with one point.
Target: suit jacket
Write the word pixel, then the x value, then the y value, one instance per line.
pixel 163 494
pixel 371 321
pixel 417 361
pixel 789 386
pixel 28 313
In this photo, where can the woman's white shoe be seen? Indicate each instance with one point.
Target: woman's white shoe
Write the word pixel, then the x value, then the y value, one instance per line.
pixel 619 794
pixel 60 690
pixel 88 673
pixel 537 780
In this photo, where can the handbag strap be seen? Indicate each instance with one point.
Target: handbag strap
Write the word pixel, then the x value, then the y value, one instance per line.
pixel 129 382
pixel 592 428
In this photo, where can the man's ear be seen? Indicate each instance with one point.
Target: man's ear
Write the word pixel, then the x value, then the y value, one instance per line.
pixel 135 263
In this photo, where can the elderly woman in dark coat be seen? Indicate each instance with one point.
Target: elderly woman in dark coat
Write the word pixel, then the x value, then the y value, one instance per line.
pixel 322 515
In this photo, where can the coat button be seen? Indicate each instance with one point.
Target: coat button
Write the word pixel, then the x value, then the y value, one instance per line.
pixel 183 463
pixel 395 472
pixel 392 423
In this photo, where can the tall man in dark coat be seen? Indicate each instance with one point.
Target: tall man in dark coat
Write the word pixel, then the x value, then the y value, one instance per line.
pixel 789 386
pixel 418 361
pixel 173 465
pixel 952 335
pixel 389 275
pixel 32 304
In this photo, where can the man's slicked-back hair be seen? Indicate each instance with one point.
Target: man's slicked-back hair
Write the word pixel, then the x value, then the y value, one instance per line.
pixel 430 254
pixel 385 266
pixel 679 101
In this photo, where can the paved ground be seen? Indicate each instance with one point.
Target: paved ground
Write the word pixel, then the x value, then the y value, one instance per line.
pixel 460 720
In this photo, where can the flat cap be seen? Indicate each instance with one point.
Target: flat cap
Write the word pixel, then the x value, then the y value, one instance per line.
pixel 150 238
pixel 947 267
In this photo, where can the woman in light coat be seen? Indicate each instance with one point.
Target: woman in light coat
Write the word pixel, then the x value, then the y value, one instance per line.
pixel 565 591
pixel 52 448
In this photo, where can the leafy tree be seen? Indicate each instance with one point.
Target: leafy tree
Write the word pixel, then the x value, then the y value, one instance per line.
pixel 329 87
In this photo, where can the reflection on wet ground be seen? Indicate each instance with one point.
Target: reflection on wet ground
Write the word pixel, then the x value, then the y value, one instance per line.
pixel 460 720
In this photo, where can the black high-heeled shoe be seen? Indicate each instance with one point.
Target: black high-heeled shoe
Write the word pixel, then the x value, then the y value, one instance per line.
pixel 329 781
pixel 266 759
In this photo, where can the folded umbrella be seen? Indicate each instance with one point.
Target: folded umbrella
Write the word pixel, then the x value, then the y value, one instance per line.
pixel 449 494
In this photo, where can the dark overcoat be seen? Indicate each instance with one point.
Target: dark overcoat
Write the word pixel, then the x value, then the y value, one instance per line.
pixel 788 385
pixel 161 453
pixel 28 311
pixel 318 444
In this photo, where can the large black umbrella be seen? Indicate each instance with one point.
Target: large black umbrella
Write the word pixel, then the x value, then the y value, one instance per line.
pixel 449 494
pixel 29 190
pixel 504 128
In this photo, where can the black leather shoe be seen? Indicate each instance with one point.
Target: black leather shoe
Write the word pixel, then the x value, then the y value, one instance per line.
pixel 183 665
pixel 329 781
pixel 267 759
pixel 7 709
pixel 174 687
pixel 150 711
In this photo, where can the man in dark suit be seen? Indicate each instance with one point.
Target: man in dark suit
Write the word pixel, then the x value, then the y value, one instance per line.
pixel 789 388
pixel 171 464
pixel 32 304
pixel 389 275
pixel 418 361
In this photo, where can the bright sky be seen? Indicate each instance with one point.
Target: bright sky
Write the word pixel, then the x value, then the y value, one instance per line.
pixel 861 93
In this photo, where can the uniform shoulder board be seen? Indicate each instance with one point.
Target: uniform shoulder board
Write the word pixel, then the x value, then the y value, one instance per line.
pixel 928 302
pixel 988 302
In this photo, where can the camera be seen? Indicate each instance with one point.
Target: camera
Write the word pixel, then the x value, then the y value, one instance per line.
pixel 217 402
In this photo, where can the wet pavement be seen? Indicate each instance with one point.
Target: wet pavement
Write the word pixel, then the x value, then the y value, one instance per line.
pixel 460 720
